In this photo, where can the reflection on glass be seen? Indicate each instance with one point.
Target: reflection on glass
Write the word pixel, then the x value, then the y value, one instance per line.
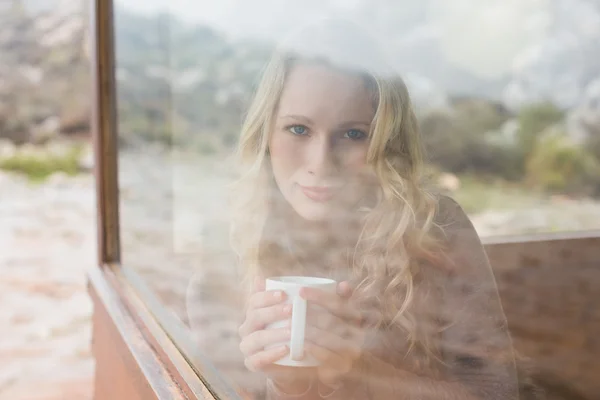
pixel 256 145
pixel 145 115
pixel 331 186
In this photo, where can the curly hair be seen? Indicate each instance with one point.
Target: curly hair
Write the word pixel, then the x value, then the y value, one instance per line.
pixel 397 234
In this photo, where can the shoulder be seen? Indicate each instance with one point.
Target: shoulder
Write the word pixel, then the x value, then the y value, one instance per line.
pixel 454 226
pixel 450 214
pixel 460 239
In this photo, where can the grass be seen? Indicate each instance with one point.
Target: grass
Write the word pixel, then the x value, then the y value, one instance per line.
pixel 38 166
pixel 476 195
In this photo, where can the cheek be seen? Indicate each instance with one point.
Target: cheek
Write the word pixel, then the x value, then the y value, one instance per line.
pixel 284 155
pixel 354 160
pixel 360 175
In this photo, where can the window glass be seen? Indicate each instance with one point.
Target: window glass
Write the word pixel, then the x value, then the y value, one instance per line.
pixel 502 97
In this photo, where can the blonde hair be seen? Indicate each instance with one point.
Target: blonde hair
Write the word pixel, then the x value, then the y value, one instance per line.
pixel 396 235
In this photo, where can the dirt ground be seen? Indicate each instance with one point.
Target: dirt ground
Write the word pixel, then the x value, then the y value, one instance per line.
pixel 47 241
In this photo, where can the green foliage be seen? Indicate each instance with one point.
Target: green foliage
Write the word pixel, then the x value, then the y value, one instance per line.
pixel 168 69
pixel 458 141
pixel 463 142
pixel 38 165
pixel 535 119
pixel 557 165
pixel 480 115
pixel 592 143
pixel 187 86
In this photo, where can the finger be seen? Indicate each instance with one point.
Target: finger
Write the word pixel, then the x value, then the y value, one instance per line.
pixel 257 319
pixel 322 318
pixel 263 359
pixel 324 355
pixel 337 366
pixel 344 289
pixel 332 302
pixel 371 315
pixel 258 340
pixel 264 299
pixel 342 345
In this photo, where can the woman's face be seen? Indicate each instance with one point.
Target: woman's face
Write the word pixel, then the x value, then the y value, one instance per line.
pixel 319 142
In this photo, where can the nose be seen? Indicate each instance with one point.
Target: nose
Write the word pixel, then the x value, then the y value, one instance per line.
pixel 321 157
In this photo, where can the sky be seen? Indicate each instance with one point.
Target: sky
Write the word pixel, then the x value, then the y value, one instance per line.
pixel 232 13
pixel 481 36
pixel 265 18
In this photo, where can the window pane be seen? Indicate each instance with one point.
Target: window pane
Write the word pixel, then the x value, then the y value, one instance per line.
pixel 328 105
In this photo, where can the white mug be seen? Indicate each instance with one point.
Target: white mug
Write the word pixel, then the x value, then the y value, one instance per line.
pixel 291 285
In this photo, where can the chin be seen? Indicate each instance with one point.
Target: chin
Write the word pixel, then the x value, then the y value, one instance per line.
pixel 316 213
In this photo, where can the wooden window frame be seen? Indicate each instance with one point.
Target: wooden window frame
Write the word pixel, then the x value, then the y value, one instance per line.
pixel 141 350
pixel 136 357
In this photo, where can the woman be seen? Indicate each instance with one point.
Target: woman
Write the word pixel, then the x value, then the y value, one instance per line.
pixel 332 186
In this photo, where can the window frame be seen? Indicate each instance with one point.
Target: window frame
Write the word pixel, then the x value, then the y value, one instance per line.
pixel 129 334
pixel 132 328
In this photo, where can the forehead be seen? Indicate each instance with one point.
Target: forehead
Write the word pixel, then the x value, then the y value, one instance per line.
pixel 314 90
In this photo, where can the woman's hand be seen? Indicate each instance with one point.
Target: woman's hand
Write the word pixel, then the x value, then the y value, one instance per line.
pixel 264 308
pixel 334 334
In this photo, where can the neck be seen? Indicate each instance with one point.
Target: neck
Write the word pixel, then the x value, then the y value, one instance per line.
pixel 316 247
pixel 323 248
pixel 335 231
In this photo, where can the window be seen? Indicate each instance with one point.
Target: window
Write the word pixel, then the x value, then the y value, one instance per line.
pixel 511 139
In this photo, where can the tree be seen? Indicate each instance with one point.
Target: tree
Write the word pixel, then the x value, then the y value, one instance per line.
pixel 43 69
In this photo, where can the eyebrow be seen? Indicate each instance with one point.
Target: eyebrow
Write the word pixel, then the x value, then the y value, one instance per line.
pixel 309 121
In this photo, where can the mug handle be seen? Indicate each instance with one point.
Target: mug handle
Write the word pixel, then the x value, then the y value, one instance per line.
pixel 298 328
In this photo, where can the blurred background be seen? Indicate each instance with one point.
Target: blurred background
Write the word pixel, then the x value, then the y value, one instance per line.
pixel 508 99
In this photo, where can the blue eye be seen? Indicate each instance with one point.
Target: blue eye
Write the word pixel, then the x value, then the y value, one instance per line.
pixel 355 134
pixel 297 129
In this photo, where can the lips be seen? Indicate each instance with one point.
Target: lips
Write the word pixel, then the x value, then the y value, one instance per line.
pixel 320 194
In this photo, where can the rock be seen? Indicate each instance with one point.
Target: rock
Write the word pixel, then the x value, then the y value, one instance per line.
pixel 509 131
pixel 17 134
pixel 58 179
pixel 5 178
pixel 87 161
pixel 29 150
pixel 7 149
pixel 449 182
pixel 44 70
pixel 45 131
pixel 57 148
pixel 561 199
pixel 34 74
